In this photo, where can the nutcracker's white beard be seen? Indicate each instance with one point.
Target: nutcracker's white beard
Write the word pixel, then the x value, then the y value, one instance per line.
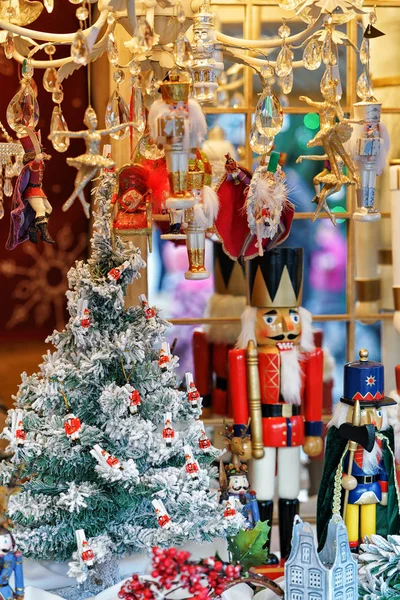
pixel 291 376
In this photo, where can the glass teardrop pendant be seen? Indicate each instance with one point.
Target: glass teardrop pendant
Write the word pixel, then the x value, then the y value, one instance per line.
pixel 286 83
pixel 284 61
pixel 50 79
pixel 364 87
pixel 326 81
pixel 117 112
pixel 58 123
pixel 364 51
pixel 9 45
pixel 49 5
pixel 23 109
pixel 7 187
pixel 180 13
pixel 182 51
pixel 269 114
pixel 144 35
pixel 259 143
pixel 80 49
pixel 112 50
pixel 312 56
pixel 137 109
pixel 327 50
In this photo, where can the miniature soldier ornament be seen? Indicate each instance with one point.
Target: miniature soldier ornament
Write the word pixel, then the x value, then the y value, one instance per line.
pixel 204 442
pixel 359 470
pixel 239 487
pixel 163 518
pixel 149 312
pixel 192 466
pixel 134 402
pixel 168 432
pixel 230 511
pixel 17 427
pixel 86 554
pixel 281 385
pixel 193 395
pixel 10 564
pixel 105 458
pixel 72 427
pixel 164 357
pixel 115 273
pixel 30 208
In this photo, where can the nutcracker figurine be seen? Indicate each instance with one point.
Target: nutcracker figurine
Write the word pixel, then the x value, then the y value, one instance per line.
pixel 163 518
pixel 105 458
pixel 204 441
pixel 212 343
pixel 276 379
pixel 30 209
pixel 239 487
pixel 359 470
pixel 192 466
pixel 193 394
pixel 134 402
pixel 370 146
pixel 115 273
pixel 164 357
pixel 72 427
pixel 86 554
pixel 10 564
pixel 17 427
pixel 149 312
pixel 207 62
pixel 168 432
pixel 230 511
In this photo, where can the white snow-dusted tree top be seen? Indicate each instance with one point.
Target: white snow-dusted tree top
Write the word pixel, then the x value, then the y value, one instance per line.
pixel 97 368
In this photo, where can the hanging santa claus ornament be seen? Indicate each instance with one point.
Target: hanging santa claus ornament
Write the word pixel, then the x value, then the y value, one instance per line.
pixel 134 402
pixel 168 432
pixel 163 518
pixel 85 552
pixel 179 125
pixel 191 466
pixel 193 395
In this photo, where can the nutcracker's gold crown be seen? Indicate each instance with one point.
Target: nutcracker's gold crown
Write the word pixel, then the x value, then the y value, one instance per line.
pixel 229 275
pixel 175 91
pixel 368 111
pixel 275 280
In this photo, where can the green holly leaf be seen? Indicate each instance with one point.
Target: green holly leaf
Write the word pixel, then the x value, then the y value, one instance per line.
pixel 247 547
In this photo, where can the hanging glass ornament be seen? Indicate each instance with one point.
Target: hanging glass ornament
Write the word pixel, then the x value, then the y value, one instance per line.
pixel 49 5
pixel 237 100
pixel 134 68
pixel 27 70
pixel 364 88
pixel 80 49
pixel 149 83
pixel 7 187
pixel 50 79
pixel 82 13
pixel 9 45
pixel 268 114
pixel 180 13
pixel 23 109
pixel 364 51
pixel 111 18
pixel 137 108
pixel 326 80
pixel 259 143
pixel 286 83
pixel 183 55
pixel 144 35
pixel 117 112
pixel 50 49
pixel 58 95
pixel 267 72
pixel 149 150
pixel 284 61
pixel 112 50
pixel 284 31
pixel 58 123
pixel 312 56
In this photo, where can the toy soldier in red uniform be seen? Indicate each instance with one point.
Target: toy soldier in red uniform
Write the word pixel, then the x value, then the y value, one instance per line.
pixel 72 427
pixel 164 357
pixel 149 312
pixel 85 552
pixel 280 375
pixel 134 402
pixel 230 511
pixel 192 466
pixel 30 209
pixel 163 518
pixel 204 442
pixel 168 432
pixel 193 394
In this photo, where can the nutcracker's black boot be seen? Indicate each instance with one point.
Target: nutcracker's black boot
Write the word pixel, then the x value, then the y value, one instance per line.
pixel 42 225
pixel 33 233
pixel 266 508
pixel 288 509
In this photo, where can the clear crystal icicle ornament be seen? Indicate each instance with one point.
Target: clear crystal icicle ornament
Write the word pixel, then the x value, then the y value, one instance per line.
pixel 117 110
pixel 80 48
pixel 9 45
pixel 312 56
pixel 259 143
pixel 182 51
pixel 284 61
pixel 144 35
pixel 112 50
pixel 58 123
pixel 268 116
pixel 137 108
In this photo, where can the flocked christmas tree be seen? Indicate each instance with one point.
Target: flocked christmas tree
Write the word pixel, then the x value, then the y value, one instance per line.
pixel 87 433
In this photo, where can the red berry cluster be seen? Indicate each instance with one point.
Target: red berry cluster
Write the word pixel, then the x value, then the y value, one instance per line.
pixel 172 569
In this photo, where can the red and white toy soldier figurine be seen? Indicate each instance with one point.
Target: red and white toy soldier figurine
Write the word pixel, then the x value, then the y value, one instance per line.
pixel 115 273
pixel 230 511
pixel 86 554
pixel 105 458
pixel 204 442
pixel 163 518
pixel 30 208
pixel 72 427
pixel 164 358
pixel 193 395
pixel 83 313
pixel 149 312
pixel 192 466
pixel 134 402
pixel 279 373
pixel 168 432
pixel 17 427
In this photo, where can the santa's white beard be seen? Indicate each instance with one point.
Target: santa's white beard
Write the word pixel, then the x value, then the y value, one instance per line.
pixel 291 376
pixel 371 460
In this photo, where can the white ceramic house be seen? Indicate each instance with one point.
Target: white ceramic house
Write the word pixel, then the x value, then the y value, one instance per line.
pixel 328 575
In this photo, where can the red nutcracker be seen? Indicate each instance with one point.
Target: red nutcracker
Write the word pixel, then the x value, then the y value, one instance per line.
pixel 149 312
pixel 17 427
pixel 72 427
pixel 115 273
pixel 212 343
pixel 230 511
pixel 134 402
pixel 86 553
pixel 164 357
pixel 279 372
pixel 163 518
pixel 192 466
pixel 168 432
pixel 193 394
pixel 204 442
pixel 104 457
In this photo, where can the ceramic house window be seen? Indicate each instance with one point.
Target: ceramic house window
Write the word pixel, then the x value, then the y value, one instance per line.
pixel 297 596
pixel 305 553
pixel 343 552
pixel 297 575
pixel 315 597
pixel 338 578
pixel 315 579
pixel 349 575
